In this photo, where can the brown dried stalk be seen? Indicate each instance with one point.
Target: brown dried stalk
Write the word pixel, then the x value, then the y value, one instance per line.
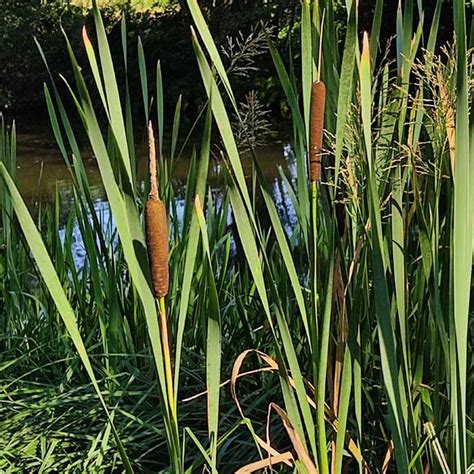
pixel 318 99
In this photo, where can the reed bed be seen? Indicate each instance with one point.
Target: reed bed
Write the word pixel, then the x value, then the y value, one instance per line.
pixel 341 343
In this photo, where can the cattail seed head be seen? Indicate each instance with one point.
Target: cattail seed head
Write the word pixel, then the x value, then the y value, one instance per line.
pixel 318 100
pixel 156 226
pixel 157 243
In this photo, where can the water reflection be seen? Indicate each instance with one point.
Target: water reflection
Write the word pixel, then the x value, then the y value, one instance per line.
pixel 41 169
pixel 41 172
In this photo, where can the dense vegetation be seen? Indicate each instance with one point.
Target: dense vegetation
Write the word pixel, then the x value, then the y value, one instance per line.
pixel 165 35
pixel 341 341
pixel 163 27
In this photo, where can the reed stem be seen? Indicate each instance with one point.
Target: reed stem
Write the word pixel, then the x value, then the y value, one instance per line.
pixel 167 356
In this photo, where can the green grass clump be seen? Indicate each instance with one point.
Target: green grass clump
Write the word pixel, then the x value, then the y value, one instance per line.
pixel 341 344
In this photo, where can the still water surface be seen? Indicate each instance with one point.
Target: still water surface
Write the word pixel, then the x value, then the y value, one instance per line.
pixel 41 171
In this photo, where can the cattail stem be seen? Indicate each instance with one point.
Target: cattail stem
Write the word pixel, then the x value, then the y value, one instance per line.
pixel 167 356
pixel 314 223
pixel 318 100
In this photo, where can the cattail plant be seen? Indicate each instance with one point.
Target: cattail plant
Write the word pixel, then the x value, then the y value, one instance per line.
pixel 157 243
pixel 318 99
pixel 318 102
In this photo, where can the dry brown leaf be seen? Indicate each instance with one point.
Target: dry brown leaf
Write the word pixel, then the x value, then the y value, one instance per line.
pixel 298 445
pixel 388 458
pixel 352 446
pixel 268 462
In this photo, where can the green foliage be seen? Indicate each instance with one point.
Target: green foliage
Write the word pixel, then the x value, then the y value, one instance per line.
pixel 165 36
pixel 353 322
pixel 22 73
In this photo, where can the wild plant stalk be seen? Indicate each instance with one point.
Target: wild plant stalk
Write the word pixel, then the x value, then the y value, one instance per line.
pixel 318 99
pixel 157 244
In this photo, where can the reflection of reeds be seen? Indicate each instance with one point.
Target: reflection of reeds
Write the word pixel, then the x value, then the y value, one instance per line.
pixel 318 99
pixel 157 243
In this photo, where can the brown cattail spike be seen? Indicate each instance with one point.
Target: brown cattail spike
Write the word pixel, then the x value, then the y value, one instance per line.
pixel 318 100
pixel 156 228
pixel 157 242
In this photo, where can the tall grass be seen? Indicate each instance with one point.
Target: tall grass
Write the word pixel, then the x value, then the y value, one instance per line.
pixel 339 344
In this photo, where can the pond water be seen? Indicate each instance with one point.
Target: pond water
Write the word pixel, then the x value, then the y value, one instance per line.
pixel 41 171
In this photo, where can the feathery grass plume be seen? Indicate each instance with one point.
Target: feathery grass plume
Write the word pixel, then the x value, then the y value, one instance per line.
pixel 318 100
pixel 156 227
